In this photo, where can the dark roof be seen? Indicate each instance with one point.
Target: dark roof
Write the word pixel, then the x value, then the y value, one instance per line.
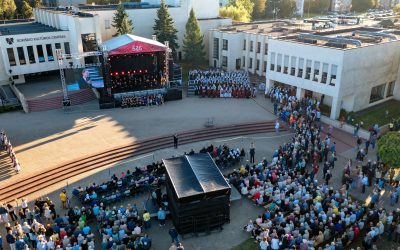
pixel 196 176
pixel 24 28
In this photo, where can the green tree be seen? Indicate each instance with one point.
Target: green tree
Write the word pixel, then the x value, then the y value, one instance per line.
pixel 193 46
pixel 287 8
pixel 389 149
pixel 396 8
pixel 36 3
pixel 7 9
pixel 164 28
pixel 238 10
pixel 26 10
pixel 362 5
pixel 316 6
pixel 258 9
pixel 121 22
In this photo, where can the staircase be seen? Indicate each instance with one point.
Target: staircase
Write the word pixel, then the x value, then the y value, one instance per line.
pixel 55 102
pixel 6 166
pixel 191 88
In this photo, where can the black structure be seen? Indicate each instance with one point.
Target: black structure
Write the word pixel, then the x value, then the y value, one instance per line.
pixel 198 193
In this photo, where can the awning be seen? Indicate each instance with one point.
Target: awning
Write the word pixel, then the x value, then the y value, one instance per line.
pixel 130 44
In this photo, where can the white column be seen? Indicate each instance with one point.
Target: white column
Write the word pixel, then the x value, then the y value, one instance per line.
pixel 300 93
pixel 335 109
pixel 269 84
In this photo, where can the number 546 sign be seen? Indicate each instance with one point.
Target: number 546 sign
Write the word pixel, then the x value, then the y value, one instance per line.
pixel 137 48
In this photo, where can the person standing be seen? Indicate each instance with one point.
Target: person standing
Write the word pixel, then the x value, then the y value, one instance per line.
pixel 11 240
pixel 161 215
pixel 174 235
pixel 176 141
pixel 147 219
pixel 63 199
pixel 277 125
pixel 252 152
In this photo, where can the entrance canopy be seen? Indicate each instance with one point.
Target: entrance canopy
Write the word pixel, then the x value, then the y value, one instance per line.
pixel 195 177
pixel 130 44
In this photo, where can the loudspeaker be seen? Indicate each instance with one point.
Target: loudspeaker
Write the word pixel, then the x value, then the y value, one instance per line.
pixel 173 94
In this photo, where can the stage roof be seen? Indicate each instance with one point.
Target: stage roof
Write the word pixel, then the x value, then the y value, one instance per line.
pixel 130 44
pixel 196 176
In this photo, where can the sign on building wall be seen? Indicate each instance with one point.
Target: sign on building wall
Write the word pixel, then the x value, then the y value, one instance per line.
pixel 12 40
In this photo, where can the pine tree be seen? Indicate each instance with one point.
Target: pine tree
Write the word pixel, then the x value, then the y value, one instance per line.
pixel 193 46
pixel 26 10
pixel 164 28
pixel 259 9
pixel 121 22
pixel 36 3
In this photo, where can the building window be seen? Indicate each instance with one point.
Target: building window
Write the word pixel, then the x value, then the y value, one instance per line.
pixel 67 48
pixel 49 50
pixel 292 65
pixel 251 63
pixel 300 68
pixel 333 75
pixel 279 63
pixel 216 48
pixel 31 55
pixel 257 64
pixel 377 93
pixel 324 72
pixel 390 89
pixel 316 72
pixel 265 66
pixel 272 67
pixel 244 44
pixel 58 45
pixel 251 46
pixel 285 64
pixel 11 57
pixel 39 49
pixel 266 49
pixel 224 44
pixel 224 61
pixel 244 62
pixel 21 56
pixel 258 47
pixel 308 69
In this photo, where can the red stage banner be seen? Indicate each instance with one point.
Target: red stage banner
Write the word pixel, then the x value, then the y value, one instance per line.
pixel 135 48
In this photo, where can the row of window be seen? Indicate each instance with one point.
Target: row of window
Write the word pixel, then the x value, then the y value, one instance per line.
pixel 250 66
pixel 258 47
pixel 307 69
pixel 28 55
pixel 378 92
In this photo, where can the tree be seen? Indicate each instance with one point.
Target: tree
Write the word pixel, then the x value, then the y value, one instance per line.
pixel 316 6
pixel 7 9
pixel 193 46
pixel 26 10
pixel 164 28
pixel 389 150
pixel 238 10
pixel 121 22
pixel 258 9
pixel 362 5
pixel 287 8
pixel 396 8
pixel 36 3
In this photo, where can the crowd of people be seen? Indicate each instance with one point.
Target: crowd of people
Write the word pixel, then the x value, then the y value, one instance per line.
pixel 129 81
pixel 144 100
pixel 223 84
pixel 301 213
pixel 7 146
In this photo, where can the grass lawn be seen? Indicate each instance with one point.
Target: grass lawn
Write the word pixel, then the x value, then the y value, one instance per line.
pixel 247 245
pixel 376 114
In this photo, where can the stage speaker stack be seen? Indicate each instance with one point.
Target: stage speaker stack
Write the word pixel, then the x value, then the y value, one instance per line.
pixel 173 95
pixel 106 102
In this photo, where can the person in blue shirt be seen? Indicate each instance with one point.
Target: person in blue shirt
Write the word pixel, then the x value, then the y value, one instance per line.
pixel 146 242
pixel 161 215
pixel 86 230
pixel 96 210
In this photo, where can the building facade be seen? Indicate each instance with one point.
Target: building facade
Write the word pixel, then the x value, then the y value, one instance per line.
pixel 356 76
pixel 29 48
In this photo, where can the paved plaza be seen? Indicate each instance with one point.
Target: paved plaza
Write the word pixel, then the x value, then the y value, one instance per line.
pixel 46 139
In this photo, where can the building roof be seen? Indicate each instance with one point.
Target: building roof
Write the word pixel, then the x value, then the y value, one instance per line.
pixel 24 28
pixel 195 176
pixel 130 44
pixel 346 38
pixel 271 28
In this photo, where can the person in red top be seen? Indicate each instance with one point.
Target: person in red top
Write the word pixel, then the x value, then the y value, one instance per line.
pixel 356 231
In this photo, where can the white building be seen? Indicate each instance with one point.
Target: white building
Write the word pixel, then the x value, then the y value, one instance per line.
pixel 245 46
pixel 29 48
pixel 358 70
pixel 341 6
